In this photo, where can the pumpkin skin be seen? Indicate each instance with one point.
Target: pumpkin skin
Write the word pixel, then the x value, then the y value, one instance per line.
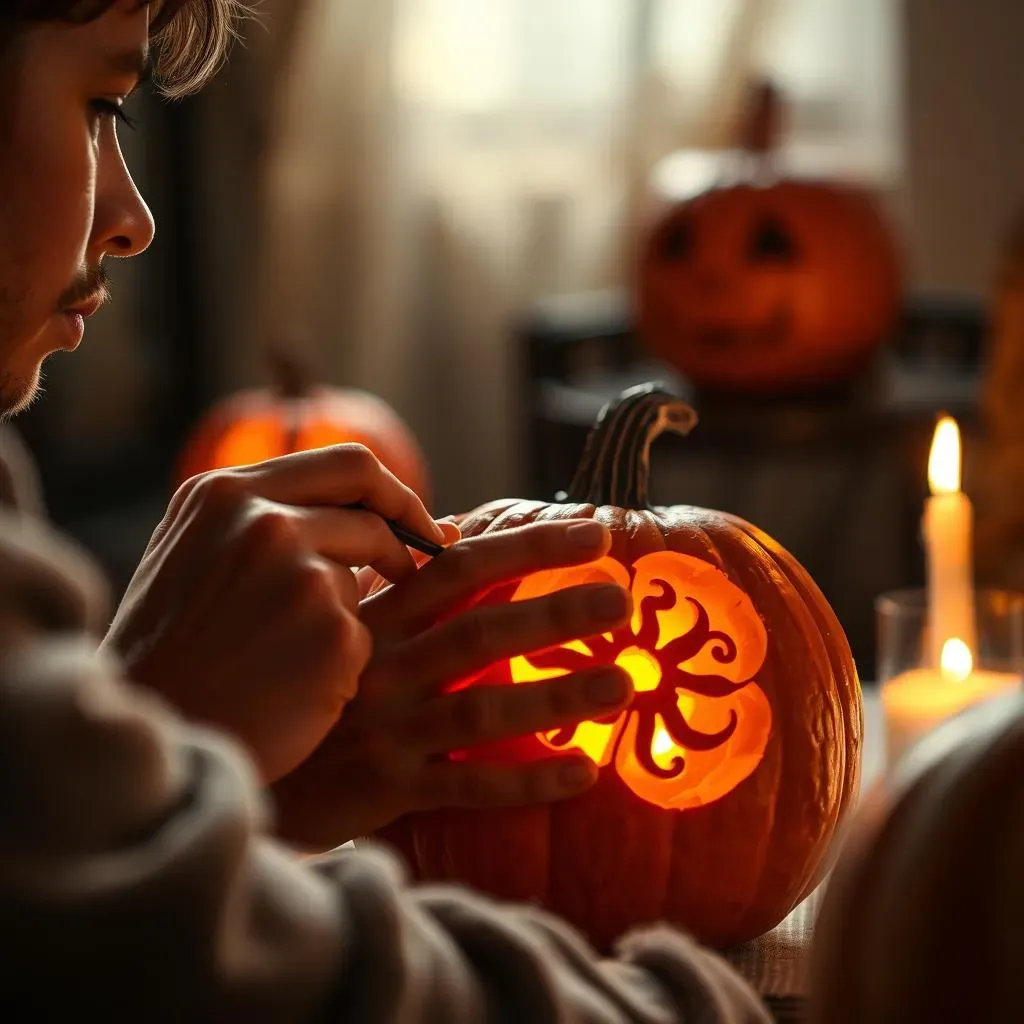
pixel 727 846
pixel 262 424
pixel 768 287
pixel 922 916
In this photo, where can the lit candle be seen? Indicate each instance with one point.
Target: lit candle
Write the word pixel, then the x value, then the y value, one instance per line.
pixel 921 699
pixel 947 530
pixel 918 701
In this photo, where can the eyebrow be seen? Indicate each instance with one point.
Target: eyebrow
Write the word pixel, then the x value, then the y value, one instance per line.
pixel 132 62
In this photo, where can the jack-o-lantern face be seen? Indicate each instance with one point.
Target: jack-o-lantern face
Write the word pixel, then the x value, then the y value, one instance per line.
pixel 699 723
pixel 765 288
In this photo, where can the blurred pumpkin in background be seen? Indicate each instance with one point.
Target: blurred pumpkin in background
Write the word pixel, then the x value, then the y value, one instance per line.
pixel 767 284
pixel 295 415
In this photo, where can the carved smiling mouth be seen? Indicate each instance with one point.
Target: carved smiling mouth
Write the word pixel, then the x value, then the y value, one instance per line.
pixel 726 337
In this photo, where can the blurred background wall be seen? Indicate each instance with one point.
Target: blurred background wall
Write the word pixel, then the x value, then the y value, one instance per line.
pixel 406 190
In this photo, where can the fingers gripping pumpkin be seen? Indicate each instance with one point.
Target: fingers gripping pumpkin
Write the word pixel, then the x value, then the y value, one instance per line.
pixel 722 784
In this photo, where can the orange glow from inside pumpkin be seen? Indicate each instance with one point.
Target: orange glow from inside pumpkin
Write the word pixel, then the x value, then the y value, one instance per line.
pixel 254 440
pixel 699 724
pixel 642 667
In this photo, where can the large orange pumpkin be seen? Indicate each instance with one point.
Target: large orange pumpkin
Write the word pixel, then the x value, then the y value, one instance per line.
pixel 768 284
pixel 295 416
pixel 722 784
pixel 922 917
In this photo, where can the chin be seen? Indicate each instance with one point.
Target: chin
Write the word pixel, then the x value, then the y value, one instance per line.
pixel 18 393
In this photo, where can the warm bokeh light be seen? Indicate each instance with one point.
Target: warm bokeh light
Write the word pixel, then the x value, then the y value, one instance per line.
pixel 956 661
pixel 944 458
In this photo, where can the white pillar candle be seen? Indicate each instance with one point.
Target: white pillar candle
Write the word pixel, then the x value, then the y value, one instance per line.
pixel 947 530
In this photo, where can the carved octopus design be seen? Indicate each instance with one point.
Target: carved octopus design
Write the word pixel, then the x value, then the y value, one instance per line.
pixel 663 699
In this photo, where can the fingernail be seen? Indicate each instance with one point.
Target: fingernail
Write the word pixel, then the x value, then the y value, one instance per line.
pixel 609 603
pixel 578 773
pixel 439 530
pixel 608 689
pixel 586 535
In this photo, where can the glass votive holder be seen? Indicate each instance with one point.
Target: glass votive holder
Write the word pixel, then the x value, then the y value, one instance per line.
pixel 918 696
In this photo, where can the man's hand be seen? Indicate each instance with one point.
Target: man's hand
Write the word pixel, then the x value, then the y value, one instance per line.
pixel 244 611
pixel 386 755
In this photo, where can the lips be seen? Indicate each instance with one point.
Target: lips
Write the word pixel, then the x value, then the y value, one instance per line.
pixel 86 309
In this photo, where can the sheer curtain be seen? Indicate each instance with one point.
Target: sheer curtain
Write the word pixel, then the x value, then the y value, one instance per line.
pixel 437 164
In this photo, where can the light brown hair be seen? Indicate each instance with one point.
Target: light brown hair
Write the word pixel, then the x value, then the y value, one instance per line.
pixel 190 38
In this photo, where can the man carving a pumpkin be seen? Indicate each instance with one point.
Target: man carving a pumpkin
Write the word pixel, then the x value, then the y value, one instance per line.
pixel 137 877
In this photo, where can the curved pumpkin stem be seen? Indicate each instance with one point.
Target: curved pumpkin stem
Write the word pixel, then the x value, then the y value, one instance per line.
pixel 616 461
pixel 289 373
pixel 762 119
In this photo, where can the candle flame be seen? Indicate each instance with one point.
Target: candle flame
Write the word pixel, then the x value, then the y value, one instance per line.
pixel 956 661
pixel 944 459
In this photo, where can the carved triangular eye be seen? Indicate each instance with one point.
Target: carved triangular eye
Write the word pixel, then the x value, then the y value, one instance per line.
pixel 677 241
pixel 772 242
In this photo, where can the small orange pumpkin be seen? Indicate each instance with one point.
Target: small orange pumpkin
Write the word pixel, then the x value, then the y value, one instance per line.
pixel 721 785
pixel 767 284
pixel 295 416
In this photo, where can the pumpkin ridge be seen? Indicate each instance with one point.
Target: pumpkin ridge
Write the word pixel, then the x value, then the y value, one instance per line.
pixel 820 657
pixel 842 671
pixel 756 859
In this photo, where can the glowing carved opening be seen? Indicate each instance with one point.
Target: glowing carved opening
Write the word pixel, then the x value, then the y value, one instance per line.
pixel 699 724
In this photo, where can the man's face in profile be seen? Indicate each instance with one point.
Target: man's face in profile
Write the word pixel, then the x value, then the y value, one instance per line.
pixel 67 200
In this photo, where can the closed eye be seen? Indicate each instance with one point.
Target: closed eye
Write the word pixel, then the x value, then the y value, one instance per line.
pixel 114 110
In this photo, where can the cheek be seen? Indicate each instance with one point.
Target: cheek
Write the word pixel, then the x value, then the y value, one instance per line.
pixel 49 185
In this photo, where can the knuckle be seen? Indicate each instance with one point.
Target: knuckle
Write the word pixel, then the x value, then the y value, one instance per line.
pixel 354 645
pixel 567 613
pixel 557 699
pixel 459 567
pixel 184 492
pixel 314 591
pixel 218 491
pixel 473 713
pixel 543 540
pixel 357 459
pixel 474 634
pixel 272 529
pixel 344 646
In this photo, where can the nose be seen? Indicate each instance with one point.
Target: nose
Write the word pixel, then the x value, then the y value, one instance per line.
pixel 122 224
pixel 712 282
